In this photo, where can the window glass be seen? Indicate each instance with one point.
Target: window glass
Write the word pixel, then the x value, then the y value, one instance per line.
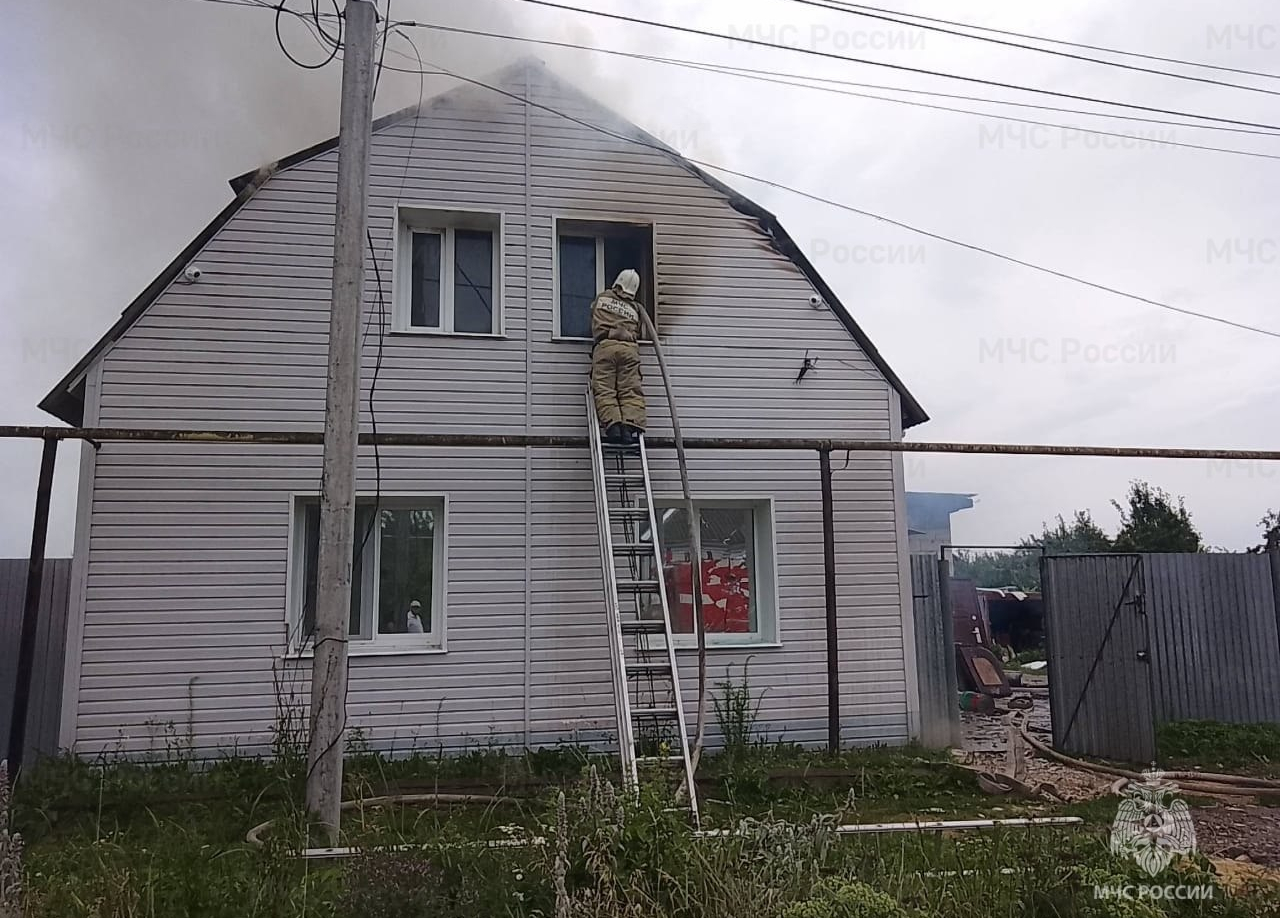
pixel 729 568
pixel 578 285
pixel 311 564
pixel 473 281
pixel 406 570
pixel 424 308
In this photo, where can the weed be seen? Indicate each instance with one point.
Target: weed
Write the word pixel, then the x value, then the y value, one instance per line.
pixel 737 710
pixel 10 854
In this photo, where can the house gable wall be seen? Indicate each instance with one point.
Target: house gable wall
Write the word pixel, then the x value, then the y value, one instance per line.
pixel 184 612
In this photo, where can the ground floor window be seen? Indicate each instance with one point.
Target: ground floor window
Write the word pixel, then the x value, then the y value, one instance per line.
pixel 397 577
pixel 739 599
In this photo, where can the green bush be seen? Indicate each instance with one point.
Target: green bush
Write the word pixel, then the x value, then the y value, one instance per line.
pixel 833 899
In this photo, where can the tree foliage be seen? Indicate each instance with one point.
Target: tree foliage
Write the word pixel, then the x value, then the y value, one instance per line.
pixel 1020 569
pixel 1151 520
pixel 1270 532
pixel 1154 521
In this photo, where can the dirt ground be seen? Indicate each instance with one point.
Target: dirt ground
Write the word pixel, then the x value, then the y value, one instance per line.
pixel 1227 831
pixel 1232 830
pixel 986 746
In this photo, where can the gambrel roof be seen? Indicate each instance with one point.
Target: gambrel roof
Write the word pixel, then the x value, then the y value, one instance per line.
pixel 66 400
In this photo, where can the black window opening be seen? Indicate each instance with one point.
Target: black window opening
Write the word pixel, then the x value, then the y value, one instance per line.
pixel 590 256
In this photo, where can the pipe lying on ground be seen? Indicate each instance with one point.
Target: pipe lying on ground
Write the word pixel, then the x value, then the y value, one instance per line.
pixel 875 828
pixel 254 835
pixel 940 825
pixel 1193 782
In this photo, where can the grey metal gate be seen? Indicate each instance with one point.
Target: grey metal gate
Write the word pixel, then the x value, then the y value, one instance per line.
pixel 935 655
pixel 1100 679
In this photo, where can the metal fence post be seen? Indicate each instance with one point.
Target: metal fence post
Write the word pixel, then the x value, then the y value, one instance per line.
pixel 31 610
pixel 949 641
pixel 833 631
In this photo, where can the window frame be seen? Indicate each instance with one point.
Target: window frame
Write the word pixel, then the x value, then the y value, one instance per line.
pixel 768 610
pixel 422 218
pixel 601 281
pixel 434 641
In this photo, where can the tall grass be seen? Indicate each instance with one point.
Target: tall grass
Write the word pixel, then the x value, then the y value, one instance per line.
pixel 589 851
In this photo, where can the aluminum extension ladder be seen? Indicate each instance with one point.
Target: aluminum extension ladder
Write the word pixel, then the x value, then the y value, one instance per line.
pixel 650 712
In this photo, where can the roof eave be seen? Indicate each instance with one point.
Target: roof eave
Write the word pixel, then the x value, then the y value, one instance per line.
pixel 66 400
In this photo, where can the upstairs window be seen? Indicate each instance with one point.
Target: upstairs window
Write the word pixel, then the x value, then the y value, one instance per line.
pixel 589 256
pixel 448 272
pixel 397 574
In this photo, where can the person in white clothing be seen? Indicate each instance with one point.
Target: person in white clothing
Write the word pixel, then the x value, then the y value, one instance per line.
pixel 415 618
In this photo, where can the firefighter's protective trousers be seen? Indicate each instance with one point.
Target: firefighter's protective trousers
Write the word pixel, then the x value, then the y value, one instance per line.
pixel 617 384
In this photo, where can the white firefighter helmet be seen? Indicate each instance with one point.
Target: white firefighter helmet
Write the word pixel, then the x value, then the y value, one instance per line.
pixel 628 281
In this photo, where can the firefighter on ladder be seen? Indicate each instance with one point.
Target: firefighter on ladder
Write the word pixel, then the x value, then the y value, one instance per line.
pixel 616 381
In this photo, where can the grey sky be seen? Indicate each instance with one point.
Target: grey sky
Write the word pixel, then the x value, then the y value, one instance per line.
pixel 122 121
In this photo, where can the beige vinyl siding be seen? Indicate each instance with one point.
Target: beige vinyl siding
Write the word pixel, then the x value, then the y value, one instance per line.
pixel 185 604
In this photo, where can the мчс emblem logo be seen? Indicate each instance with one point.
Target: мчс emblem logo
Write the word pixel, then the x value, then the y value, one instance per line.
pixel 1150 826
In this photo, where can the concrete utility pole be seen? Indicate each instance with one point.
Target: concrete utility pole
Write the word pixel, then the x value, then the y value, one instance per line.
pixel 341 425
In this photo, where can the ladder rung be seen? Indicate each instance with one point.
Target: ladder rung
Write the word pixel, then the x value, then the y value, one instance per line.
pixel 647 667
pixel 632 548
pixel 623 478
pixel 634 512
pixel 621 447
pixel 638 586
pixel 645 626
pixel 653 712
pixel 659 760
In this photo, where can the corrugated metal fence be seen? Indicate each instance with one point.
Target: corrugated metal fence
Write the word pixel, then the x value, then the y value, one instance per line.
pixel 935 656
pixel 1136 641
pixel 45 708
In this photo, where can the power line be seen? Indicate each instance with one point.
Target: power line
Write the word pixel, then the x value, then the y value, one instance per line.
pixel 866 213
pixel 769 76
pixel 634 20
pixel 854 10
pixel 1068 44
pixel 716 68
pixel 1063 275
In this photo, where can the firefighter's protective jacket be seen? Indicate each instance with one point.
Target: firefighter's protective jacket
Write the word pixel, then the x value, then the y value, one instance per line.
pixel 615 316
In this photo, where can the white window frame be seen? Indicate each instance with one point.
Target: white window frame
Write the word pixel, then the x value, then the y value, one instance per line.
pixel 369 642
pixel 764 579
pixel 413 218
pixel 556 220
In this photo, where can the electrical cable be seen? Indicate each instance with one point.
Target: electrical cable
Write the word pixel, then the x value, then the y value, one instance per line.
pixel 830 55
pixel 335 43
pixel 1030 121
pixel 1059 41
pixel 780 78
pixel 974 247
pixel 853 10
pixel 771 76
pixel 386 28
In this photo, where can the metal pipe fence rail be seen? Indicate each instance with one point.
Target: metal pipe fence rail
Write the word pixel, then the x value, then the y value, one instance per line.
pixel 824 447
pixel 302 437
